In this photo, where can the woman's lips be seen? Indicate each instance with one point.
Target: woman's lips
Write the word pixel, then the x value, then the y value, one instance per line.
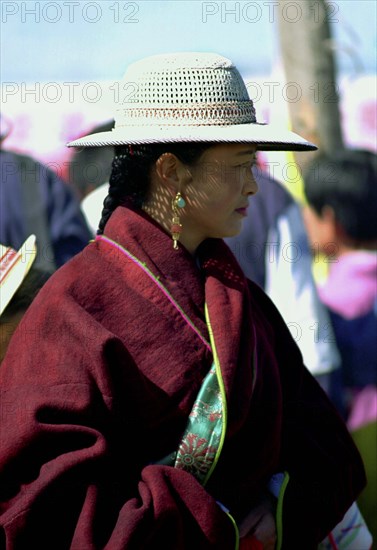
pixel 242 211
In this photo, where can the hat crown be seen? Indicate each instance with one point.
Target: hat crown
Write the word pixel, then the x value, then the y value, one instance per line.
pixel 181 60
pixel 184 78
pixel 184 89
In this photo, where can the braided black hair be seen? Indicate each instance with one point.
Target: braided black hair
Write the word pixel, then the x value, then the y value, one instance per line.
pixel 129 179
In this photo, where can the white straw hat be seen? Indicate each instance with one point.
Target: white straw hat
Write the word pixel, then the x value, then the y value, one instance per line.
pixel 14 266
pixel 189 97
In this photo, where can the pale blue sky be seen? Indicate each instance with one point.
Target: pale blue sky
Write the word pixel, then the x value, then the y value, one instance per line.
pixel 83 40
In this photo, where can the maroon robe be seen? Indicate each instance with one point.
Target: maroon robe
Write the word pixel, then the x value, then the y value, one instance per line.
pixel 97 386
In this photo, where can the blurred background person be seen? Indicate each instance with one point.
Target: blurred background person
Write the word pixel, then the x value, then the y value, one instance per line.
pixel 33 199
pixel 90 167
pixel 341 219
pixel 89 172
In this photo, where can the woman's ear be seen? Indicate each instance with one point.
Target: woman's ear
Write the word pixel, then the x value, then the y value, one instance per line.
pixel 171 171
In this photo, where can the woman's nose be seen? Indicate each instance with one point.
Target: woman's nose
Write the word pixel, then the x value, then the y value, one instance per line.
pixel 250 185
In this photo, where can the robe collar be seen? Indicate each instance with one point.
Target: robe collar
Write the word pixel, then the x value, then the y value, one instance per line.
pixel 212 276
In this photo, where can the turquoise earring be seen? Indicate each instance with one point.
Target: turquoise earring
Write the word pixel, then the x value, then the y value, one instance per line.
pixel 176 226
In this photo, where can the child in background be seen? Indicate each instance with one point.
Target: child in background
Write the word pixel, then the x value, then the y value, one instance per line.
pixel 341 220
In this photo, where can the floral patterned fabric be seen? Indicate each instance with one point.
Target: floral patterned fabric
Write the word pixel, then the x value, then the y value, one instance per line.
pixel 201 439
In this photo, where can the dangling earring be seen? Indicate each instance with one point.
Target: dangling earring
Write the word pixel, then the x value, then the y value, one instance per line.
pixel 176 226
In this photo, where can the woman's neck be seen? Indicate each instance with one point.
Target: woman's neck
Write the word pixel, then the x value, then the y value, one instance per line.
pixel 162 214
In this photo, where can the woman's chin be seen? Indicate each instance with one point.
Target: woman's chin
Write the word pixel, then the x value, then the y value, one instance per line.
pixel 233 230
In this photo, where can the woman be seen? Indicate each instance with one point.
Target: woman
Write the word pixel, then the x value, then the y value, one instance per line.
pixel 155 397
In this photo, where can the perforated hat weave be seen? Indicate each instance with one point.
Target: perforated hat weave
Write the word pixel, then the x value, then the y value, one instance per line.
pixel 188 97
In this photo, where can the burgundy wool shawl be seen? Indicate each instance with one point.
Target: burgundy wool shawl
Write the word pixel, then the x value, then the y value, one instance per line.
pixel 97 386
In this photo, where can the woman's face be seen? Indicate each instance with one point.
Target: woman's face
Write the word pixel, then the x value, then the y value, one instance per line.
pixel 217 192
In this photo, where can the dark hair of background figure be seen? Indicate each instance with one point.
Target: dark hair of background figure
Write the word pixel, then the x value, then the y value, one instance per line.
pixel 346 182
pixel 90 167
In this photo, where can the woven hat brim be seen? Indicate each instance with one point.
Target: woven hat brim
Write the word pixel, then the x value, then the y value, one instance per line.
pixel 17 272
pixel 266 136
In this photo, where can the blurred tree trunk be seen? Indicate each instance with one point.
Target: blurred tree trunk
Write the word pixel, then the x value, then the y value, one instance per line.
pixel 308 61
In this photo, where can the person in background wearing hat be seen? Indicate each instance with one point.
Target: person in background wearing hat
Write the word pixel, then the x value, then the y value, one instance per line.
pixel 35 200
pixel 19 284
pixel 162 400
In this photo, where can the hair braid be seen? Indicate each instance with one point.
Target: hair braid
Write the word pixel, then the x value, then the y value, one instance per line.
pixel 116 188
pixel 129 179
